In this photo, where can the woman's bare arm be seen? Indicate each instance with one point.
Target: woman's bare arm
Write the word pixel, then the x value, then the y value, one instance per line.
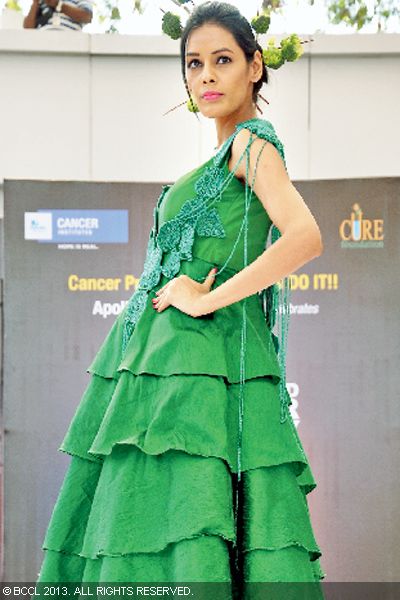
pixel 300 239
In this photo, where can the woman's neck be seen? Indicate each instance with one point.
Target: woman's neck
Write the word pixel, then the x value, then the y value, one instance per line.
pixel 226 125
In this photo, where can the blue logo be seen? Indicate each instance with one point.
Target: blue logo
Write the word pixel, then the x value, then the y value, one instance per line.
pixel 86 225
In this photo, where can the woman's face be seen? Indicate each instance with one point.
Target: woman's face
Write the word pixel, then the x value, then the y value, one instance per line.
pixel 214 62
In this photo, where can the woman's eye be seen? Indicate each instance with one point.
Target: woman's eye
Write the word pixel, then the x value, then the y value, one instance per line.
pixel 195 60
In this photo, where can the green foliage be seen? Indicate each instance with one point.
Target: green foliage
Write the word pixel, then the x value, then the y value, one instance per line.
pixel 357 13
pixel 350 12
pixel 13 5
pixel 115 14
pixel 108 10
pixel 291 48
pixel 272 55
pixel 354 13
pixel 269 6
pixel 110 13
pixel 261 23
pixel 137 7
pixel 183 4
pixel 171 25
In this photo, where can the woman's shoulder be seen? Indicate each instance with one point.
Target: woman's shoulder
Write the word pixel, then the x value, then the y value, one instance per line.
pixel 258 128
pixel 260 131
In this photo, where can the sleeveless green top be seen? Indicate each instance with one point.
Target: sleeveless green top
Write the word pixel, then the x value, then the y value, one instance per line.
pixel 207 218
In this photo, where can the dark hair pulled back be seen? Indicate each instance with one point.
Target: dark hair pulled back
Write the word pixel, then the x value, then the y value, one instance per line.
pixel 228 16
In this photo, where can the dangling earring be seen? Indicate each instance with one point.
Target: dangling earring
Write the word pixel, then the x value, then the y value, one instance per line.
pixel 177 106
pixel 190 104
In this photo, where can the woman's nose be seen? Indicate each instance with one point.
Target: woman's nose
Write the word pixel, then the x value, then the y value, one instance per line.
pixel 208 79
pixel 208 74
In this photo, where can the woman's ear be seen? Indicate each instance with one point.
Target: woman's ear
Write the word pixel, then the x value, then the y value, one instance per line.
pixel 257 66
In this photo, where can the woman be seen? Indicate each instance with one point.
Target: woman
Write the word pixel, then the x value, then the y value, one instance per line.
pixel 186 464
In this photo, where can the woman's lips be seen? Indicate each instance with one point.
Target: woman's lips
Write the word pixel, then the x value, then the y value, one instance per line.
pixel 212 96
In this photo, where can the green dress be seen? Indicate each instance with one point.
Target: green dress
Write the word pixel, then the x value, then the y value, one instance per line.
pixel 154 491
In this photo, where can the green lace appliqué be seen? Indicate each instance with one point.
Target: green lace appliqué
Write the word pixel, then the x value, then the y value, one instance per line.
pixel 174 241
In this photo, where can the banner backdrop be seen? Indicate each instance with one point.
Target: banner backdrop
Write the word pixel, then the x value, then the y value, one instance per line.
pixel 73 254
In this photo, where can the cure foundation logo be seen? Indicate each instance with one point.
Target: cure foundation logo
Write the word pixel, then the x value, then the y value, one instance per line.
pixel 359 232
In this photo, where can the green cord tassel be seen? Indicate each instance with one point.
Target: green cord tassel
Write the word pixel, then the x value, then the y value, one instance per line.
pixel 276 308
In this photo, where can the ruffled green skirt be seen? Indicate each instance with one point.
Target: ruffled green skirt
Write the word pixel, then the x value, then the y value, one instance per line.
pixel 149 492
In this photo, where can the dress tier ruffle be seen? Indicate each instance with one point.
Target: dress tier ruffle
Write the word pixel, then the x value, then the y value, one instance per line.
pixel 148 495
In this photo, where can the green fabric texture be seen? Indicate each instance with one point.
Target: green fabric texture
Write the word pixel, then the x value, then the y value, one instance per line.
pixel 148 494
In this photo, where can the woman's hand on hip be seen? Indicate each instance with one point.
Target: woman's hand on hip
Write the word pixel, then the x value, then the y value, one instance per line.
pixel 185 294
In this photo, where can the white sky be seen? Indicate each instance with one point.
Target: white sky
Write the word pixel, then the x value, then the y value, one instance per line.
pixel 299 17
